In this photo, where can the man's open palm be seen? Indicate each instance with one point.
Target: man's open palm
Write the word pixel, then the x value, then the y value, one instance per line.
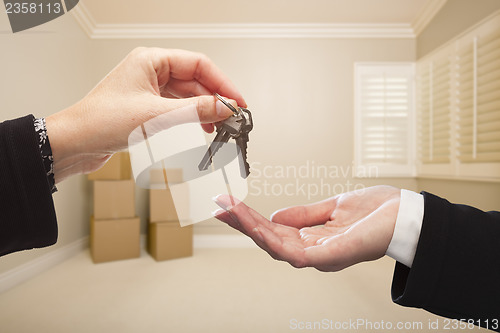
pixel 329 235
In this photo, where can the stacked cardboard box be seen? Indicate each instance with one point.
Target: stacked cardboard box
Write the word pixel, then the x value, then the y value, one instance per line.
pixel 167 239
pixel 114 227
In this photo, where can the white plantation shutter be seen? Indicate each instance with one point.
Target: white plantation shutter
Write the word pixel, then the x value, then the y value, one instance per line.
pixel 457 111
pixel 434 110
pixel 479 99
pixel 458 106
pixel 465 101
pixel 384 119
pixel 424 106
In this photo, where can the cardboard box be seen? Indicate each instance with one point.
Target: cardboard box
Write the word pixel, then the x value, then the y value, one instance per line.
pixel 157 176
pixel 168 240
pixel 114 239
pixel 114 199
pixel 116 168
pixel 164 207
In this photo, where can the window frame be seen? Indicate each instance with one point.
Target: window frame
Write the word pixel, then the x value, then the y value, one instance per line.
pixel 386 170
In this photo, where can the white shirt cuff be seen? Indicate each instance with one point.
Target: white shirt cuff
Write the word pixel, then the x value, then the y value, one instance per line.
pixel 407 229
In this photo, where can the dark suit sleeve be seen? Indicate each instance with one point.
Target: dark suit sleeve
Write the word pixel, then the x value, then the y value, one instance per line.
pixel 27 215
pixel 456 269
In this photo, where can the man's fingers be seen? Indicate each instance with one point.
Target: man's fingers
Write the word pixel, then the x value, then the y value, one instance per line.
pixel 281 242
pixel 305 216
pixel 246 217
pixel 244 222
pixel 328 256
pixel 226 202
pixel 281 249
pixel 226 217
pixel 250 218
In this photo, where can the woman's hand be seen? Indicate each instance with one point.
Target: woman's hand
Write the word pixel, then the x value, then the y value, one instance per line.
pixel 147 83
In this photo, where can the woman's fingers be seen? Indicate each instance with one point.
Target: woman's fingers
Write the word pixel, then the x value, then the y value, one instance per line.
pixel 187 66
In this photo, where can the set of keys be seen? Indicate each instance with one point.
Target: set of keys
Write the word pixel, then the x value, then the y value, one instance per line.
pixel 236 127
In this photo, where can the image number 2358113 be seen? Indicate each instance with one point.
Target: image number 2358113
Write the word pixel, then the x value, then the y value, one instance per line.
pixel 28 14
pixel 32 8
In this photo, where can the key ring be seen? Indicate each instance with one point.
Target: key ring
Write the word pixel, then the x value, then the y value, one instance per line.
pixel 227 104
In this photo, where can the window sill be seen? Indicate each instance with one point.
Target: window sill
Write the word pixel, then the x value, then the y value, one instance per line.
pixel 460 178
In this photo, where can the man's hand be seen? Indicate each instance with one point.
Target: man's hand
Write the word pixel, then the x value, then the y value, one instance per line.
pixel 147 83
pixel 329 235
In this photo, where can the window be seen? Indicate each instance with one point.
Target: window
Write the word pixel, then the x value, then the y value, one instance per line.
pixel 478 112
pixel 384 119
pixel 458 106
pixel 457 103
pixel 434 109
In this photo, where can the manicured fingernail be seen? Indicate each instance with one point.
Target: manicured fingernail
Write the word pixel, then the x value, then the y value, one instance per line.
pixel 223 202
pixel 227 217
pixel 217 212
pixel 272 216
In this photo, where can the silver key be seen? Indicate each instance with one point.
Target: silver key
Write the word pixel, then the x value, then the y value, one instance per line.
pixel 237 127
pixel 242 141
pixel 221 138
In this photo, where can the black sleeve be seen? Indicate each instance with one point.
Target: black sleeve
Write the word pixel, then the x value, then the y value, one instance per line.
pixel 27 215
pixel 456 269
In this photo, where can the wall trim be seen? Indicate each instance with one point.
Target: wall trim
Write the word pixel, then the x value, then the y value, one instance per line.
pixel 84 18
pixel 426 15
pixel 222 241
pixel 39 265
pixel 244 30
pixel 214 241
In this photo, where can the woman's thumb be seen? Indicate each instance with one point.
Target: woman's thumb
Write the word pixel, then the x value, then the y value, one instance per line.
pixel 208 109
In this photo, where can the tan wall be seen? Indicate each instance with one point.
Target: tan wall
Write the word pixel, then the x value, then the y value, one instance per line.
pixel 43 71
pixel 301 94
pixel 482 195
pixel 455 17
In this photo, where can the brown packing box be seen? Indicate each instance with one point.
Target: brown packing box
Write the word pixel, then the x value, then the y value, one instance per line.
pixel 161 204
pixel 114 239
pixel 157 176
pixel 168 240
pixel 116 168
pixel 114 199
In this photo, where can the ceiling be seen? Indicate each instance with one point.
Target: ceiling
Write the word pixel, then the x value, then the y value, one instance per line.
pixel 257 11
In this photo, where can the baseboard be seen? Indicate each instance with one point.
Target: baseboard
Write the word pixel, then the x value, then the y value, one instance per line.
pixel 37 266
pixel 215 241
pixel 222 241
